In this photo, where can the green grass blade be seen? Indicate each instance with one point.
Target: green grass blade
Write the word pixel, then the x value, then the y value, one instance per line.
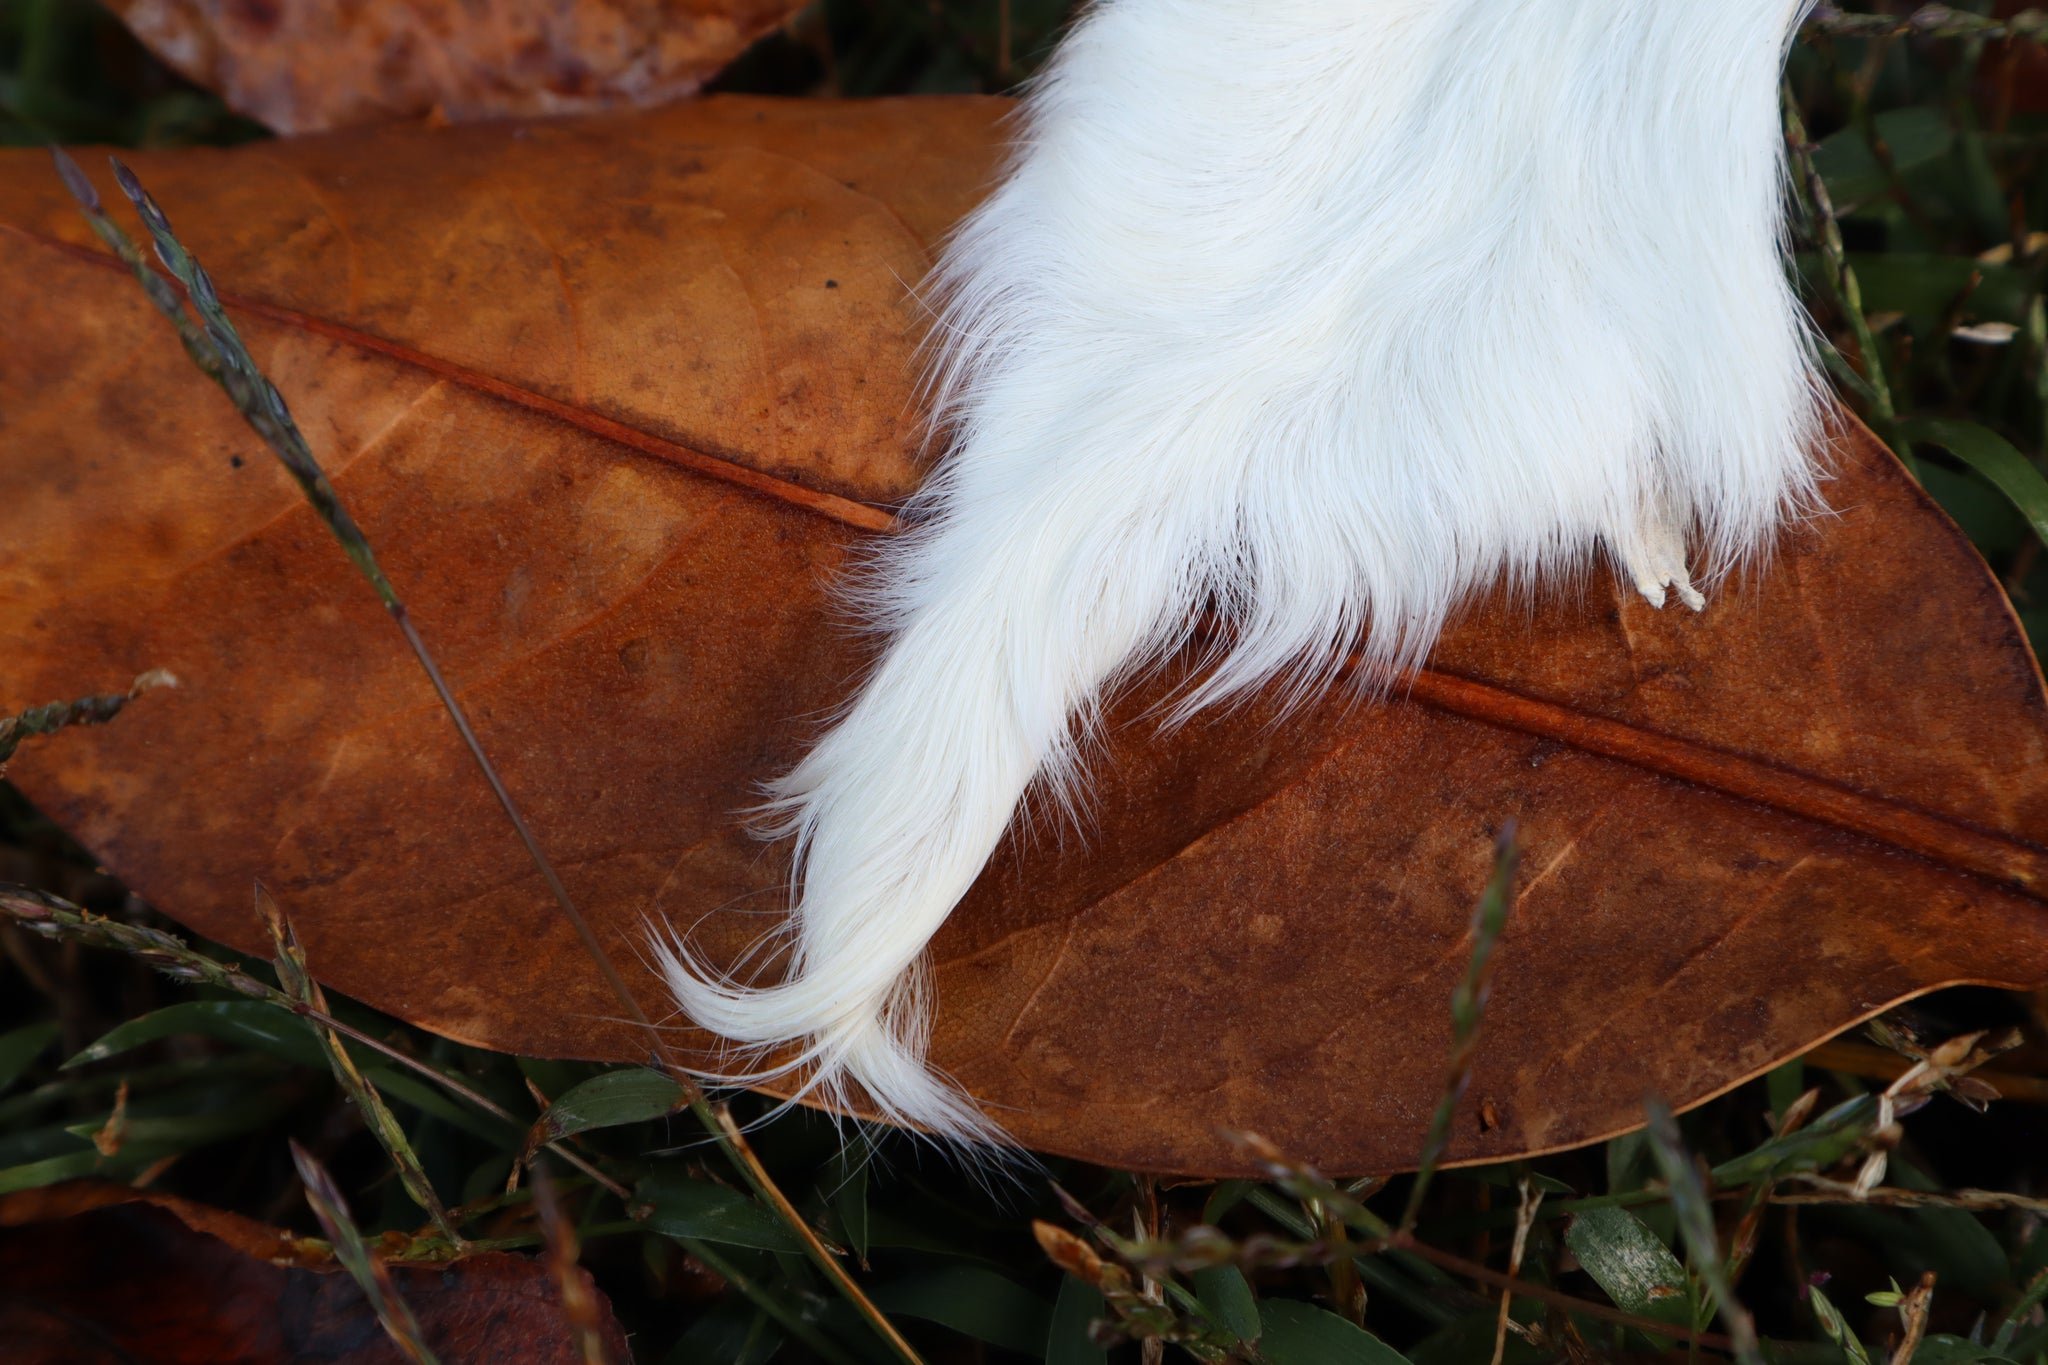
pixel 1296 1333
pixel 1633 1265
pixel 974 1302
pixel 1688 1193
pixel 247 1023
pixel 20 1047
pixel 682 1207
pixel 1079 1306
pixel 633 1095
pixel 1991 455
pixel 1228 1296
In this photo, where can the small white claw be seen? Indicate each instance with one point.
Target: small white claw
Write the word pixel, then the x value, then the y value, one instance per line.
pixel 1655 561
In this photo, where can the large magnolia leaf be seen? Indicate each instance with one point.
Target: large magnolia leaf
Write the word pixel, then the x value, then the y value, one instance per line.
pixel 616 399
pixel 305 66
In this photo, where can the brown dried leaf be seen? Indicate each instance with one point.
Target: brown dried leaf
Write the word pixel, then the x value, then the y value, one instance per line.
pixel 2014 72
pixel 616 399
pixel 303 66
pixel 93 1272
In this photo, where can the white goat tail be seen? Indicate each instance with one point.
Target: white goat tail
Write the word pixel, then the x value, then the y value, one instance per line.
pixel 1323 314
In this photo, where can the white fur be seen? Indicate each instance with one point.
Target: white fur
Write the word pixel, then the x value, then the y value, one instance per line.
pixel 1326 314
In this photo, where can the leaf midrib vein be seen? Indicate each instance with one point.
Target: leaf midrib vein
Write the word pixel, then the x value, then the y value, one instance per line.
pixel 2005 860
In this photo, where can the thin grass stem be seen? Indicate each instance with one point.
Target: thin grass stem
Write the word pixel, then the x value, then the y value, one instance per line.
pixel 1841 277
pixel 365 1268
pixel 50 916
pixel 264 408
pixel 1468 1007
